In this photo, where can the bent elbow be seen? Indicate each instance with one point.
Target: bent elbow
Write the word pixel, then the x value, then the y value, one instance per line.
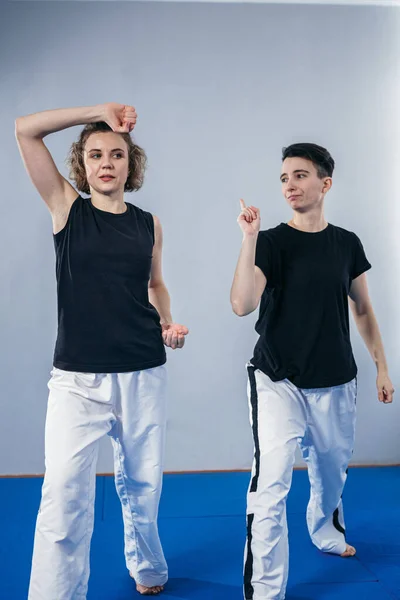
pixel 240 310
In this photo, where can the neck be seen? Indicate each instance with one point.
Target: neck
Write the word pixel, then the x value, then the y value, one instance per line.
pixel 113 203
pixel 310 221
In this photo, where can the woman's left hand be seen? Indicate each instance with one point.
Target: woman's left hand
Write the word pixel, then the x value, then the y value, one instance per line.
pixel 174 335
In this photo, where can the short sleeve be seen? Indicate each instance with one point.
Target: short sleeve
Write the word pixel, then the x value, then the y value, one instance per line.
pixel 360 263
pixel 264 254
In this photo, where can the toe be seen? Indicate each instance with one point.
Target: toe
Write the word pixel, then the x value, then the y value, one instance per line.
pixel 350 551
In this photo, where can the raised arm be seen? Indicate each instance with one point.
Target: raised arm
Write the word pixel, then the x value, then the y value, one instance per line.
pixel 249 281
pixel 30 130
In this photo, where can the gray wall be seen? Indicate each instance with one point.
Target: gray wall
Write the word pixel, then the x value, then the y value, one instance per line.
pixel 219 89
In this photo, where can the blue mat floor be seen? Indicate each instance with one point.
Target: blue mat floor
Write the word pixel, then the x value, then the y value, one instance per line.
pixel 202 527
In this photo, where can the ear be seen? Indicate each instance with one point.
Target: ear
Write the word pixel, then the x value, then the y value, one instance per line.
pixel 327 185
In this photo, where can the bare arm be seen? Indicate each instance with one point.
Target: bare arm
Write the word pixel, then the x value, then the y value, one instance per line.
pixel 173 333
pixel 368 328
pixel 158 293
pixel 249 281
pixel 55 190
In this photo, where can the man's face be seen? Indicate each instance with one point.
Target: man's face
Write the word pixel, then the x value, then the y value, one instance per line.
pixel 301 186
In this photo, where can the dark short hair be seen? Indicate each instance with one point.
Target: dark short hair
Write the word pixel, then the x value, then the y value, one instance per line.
pixel 136 157
pixel 318 155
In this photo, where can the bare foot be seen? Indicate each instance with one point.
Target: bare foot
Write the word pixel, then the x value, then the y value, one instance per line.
pixel 149 591
pixel 350 551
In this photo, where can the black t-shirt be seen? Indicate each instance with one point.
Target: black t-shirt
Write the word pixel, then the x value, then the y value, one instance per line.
pixel 106 323
pixel 304 317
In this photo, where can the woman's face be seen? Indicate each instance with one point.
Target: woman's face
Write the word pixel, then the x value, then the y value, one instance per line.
pixel 106 161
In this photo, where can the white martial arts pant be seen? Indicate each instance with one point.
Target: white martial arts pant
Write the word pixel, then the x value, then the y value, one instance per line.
pixel 323 422
pixel 82 408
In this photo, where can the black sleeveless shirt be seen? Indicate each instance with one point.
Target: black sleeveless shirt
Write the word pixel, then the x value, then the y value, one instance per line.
pixel 106 323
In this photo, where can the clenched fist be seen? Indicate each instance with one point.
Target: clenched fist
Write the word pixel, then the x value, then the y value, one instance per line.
pixel 120 117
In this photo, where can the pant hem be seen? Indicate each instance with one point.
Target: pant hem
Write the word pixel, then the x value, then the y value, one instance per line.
pixel 147 583
pixel 256 597
pixel 337 550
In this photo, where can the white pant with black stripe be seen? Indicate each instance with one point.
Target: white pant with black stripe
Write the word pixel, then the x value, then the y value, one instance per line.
pixel 82 408
pixel 322 421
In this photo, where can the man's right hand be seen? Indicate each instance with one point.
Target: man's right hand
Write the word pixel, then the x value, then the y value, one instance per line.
pixel 249 219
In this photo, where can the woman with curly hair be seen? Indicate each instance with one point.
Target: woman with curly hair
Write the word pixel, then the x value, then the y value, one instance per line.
pixel 109 374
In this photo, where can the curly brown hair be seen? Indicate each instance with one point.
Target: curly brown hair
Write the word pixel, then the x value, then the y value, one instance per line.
pixel 136 156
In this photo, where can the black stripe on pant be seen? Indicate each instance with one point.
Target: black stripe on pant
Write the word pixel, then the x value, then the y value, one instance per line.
pixel 335 516
pixel 254 413
pixel 248 569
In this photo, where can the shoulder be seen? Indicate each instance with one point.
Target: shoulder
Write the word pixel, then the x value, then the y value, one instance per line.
pixel 147 220
pixel 157 229
pixel 272 236
pixel 139 211
pixel 344 235
pixel 273 232
pixel 142 215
